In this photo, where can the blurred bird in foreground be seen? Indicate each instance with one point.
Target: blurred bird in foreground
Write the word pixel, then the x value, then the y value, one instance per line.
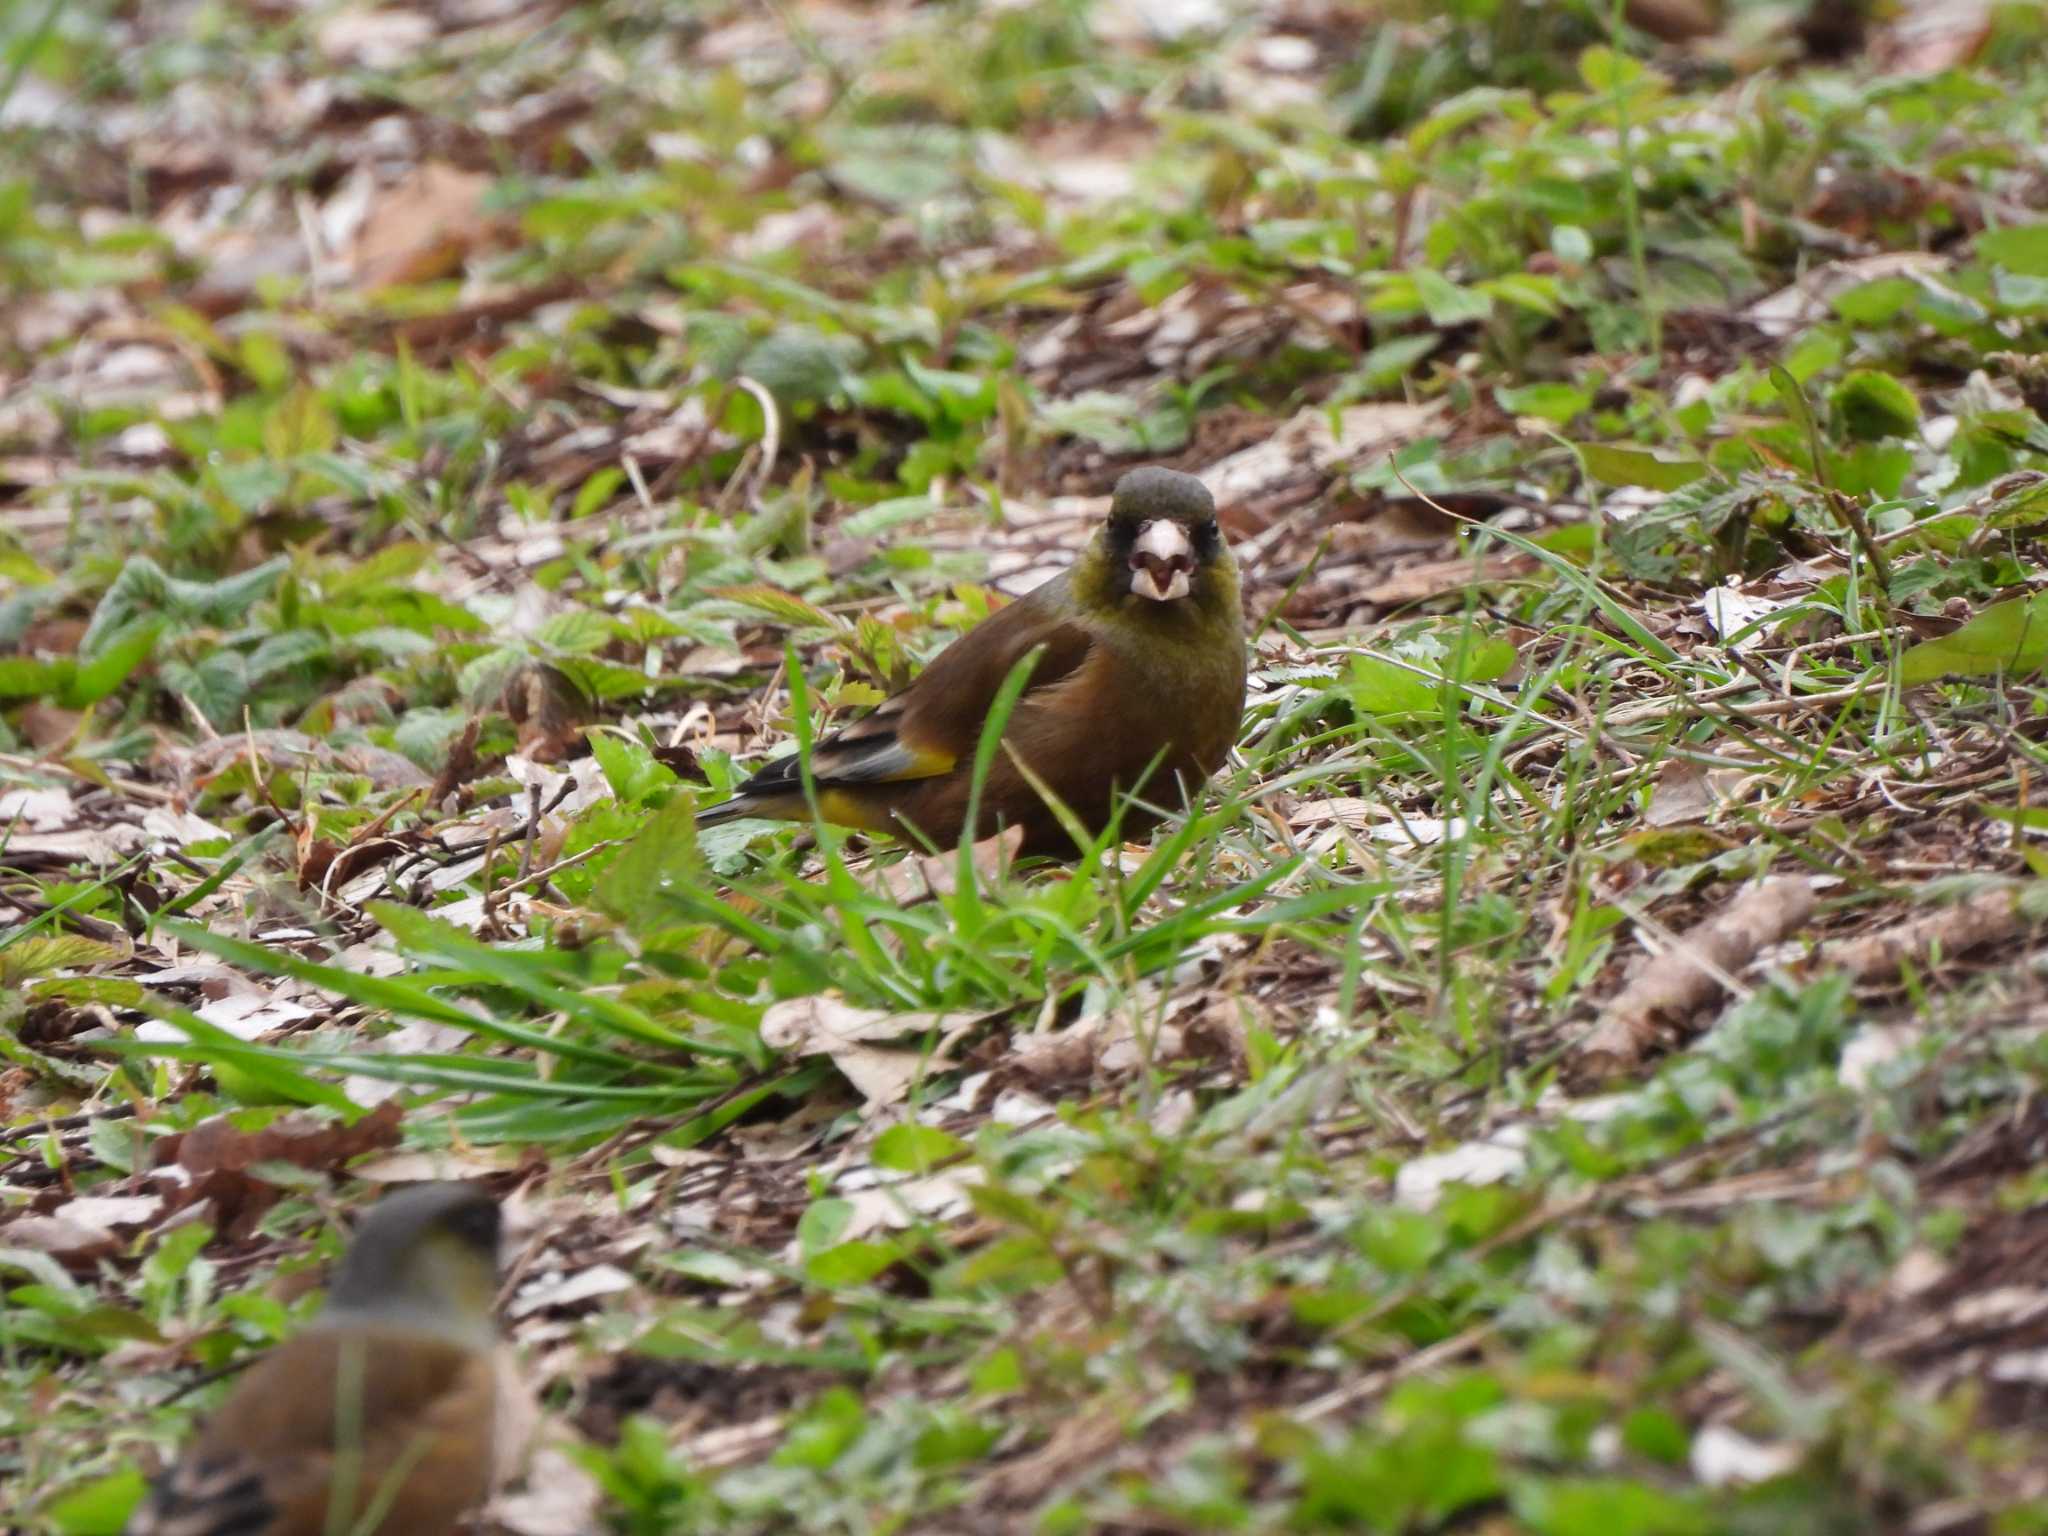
pixel 378 1419
pixel 1139 687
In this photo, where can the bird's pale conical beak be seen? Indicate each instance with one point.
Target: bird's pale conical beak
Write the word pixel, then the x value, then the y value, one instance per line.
pixel 1162 561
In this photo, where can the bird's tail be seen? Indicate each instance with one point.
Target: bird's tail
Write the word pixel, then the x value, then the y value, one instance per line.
pixel 727 810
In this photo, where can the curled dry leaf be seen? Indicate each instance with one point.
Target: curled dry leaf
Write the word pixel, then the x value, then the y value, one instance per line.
pixel 1419 583
pixel 36 810
pixel 246 1013
pixel 439 1163
pixel 217 1158
pixel 892 1206
pixel 564 1288
pixel 1674 21
pixel 1984 918
pixel 1929 36
pixel 1683 794
pixel 1667 989
pixel 288 751
pixel 1501 1156
pixel 549 712
pixel 459 767
pixel 1724 1457
pixel 1731 611
pixel 83 1231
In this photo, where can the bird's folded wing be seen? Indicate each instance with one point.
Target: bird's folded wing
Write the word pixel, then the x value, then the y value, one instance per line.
pixel 933 724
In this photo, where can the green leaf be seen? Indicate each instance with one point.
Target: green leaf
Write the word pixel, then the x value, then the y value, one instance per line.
pixel 1606 1507
pixel 1552 402
pixel 2021 248
pixel 1388 362
pixel 1657 1434
pixel 1638 466
pixel 2009 639
pixel 1872 405
pixel 1381 687
pixel 1603 69
pixel 595 492
pixel 822 1224
pixel 783 607
pixel 540 978
pixel 1571 245
pixel 1799 408
pixel 850 1263
pixel 915 1148
pixel 577 631
pixel 1876 303
pixel 27 677
pixel 640 886
pixel 634 773
pixel 1445 302
pixel 798 365
pixel 125 650
pixel 100 1508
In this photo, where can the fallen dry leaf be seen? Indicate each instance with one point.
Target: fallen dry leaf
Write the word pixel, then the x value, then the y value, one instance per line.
pixel 374 39
pixel 71 1243
pixel 829 1026
pixel 423 228
pixel 216 1157
pixel 923 876
pixel 1307 444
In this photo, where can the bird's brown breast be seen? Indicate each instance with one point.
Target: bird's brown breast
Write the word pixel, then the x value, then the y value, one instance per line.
pixel 1142 713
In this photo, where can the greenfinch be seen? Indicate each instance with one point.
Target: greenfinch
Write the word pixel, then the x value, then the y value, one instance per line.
pixel 1138 688
pixel 378 1419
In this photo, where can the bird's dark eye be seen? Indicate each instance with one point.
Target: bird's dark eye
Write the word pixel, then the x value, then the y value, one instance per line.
pixel 1122 536
pixel 475 1224
pixel 1208 539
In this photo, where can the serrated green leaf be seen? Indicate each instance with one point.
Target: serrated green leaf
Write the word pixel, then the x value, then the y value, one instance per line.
pixel 41 954
pixel 783 607
pixel 638 887
pixel 577 631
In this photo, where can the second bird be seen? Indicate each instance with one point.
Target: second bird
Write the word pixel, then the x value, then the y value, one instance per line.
pixel 379 1419
pixel 1139 687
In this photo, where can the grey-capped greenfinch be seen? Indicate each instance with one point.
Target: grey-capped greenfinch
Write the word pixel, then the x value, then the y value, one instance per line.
pixel 378 1418
pixel 1138 689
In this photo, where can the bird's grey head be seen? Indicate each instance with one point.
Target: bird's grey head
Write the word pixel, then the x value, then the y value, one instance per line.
pixel 427 1247
pixel 1162 531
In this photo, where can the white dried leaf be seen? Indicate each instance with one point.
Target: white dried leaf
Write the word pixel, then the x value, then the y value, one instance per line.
pixel 1722 1457
pixel 1499 1157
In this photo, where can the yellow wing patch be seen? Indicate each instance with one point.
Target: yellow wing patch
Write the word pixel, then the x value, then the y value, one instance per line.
pixel 923 764
pixel 845 809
